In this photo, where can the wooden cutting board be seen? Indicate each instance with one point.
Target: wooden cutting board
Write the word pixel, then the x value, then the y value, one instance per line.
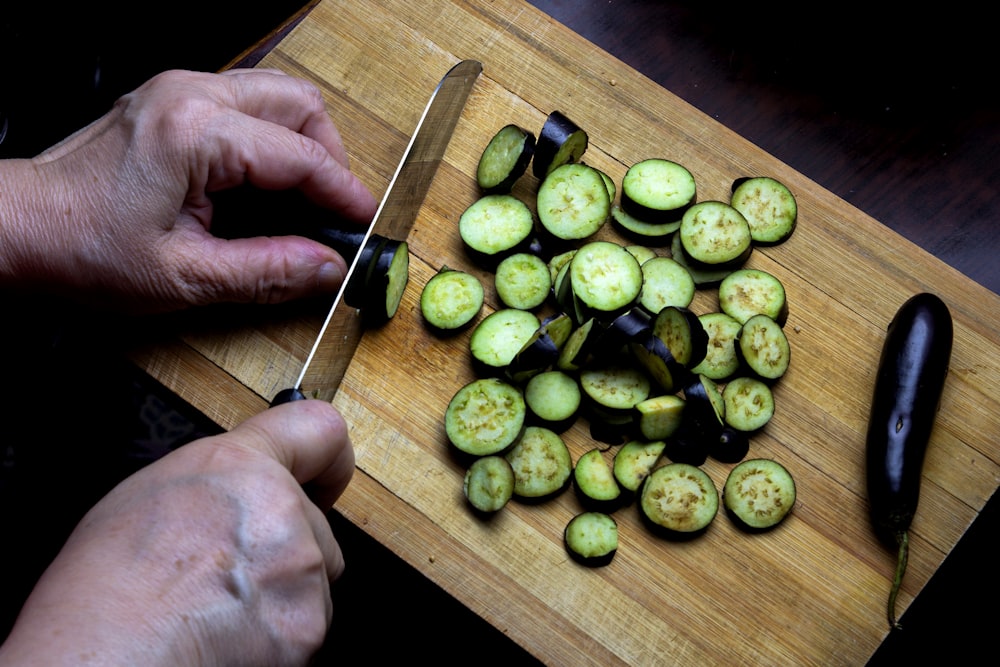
pixel 811 592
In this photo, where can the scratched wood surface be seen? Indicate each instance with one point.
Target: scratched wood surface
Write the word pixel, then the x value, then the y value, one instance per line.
pixel 811 592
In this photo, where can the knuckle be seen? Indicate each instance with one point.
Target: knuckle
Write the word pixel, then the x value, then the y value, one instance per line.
pixel 311 94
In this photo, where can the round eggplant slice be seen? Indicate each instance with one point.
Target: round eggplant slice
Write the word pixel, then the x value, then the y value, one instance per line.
pixel 595 483
pixel 715 235
pixel 769 207
pixel 495 226
pixel 542 464
pixel 485 416
pixel 591 538
pixel 749 404
pixel 748 292
pixel 451 300
pixel 763 347
pixel 605 279
pixel 553 398
pixel 679 499
pixel 489 483
pixel 665 282
pixel 523 281
pixel 505 159
pixel 657 191
pixel 759 493
pixel 572 202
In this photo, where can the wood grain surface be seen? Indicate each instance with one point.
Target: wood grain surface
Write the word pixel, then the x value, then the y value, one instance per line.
pixel 811 592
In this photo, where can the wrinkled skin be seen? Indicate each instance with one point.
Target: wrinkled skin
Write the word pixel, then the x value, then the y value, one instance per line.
pixel 215 554
pixel 212 555
pixel 120 212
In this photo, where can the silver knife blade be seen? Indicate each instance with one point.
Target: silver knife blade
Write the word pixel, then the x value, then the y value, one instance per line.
pixel 341 332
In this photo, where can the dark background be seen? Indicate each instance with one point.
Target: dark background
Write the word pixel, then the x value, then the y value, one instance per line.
pixel 892 111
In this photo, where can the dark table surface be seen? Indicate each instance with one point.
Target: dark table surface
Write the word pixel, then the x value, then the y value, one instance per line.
pixel 892 111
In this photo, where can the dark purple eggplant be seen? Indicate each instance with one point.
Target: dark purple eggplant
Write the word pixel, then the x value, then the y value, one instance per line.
pixel 376 286
pixel 247 211
pixel 731 446
pixel 631 327
pixel 683 333
pixel 687 445
pixel 539 353
pixel 560 142
pixel 653 355
pixel 907 393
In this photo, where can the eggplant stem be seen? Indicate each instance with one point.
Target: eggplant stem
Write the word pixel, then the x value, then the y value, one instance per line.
pixel 903 539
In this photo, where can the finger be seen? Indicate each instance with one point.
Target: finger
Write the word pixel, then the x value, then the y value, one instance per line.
pixel 333 557
pixel 279 135
pixel 274 157
pixel 274 96
pixel 256 270
pixel 309 438
pixel 284 159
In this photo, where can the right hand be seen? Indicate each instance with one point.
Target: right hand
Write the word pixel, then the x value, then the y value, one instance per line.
pixel 213 554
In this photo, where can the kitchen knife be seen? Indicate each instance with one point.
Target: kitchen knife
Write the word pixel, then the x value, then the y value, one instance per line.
pixel 340 334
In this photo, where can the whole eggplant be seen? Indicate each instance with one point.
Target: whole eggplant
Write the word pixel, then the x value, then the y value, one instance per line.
pixel 912 369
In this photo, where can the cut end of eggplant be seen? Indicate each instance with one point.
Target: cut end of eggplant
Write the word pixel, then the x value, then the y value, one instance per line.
pixel 655 193
pixel 489 484
pixel 769 207
pixel 759 494
pixel 451 300
pixel 377 286
pixel 505 159
pixel 595 483
pixel 679 501
pixel 591 538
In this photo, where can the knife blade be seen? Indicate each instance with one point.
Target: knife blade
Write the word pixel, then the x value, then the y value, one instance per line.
pixel 341 331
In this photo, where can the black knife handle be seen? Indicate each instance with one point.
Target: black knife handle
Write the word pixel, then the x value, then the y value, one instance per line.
pixel 288 395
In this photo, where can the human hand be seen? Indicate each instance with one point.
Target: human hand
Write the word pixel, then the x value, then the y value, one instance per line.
pixel 121 212
pixel 213 554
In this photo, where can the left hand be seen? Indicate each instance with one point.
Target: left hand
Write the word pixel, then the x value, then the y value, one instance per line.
pixel 120 211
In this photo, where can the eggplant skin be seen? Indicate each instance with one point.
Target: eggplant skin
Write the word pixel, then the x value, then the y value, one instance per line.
pixel 908 387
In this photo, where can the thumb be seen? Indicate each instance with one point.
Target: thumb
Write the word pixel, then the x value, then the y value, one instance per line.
pixel 264 270
pixel 309 438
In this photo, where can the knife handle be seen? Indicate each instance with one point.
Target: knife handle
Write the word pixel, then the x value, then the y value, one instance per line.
pixel 288 395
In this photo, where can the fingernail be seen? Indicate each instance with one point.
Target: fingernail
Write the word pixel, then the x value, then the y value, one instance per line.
pixel 330 276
